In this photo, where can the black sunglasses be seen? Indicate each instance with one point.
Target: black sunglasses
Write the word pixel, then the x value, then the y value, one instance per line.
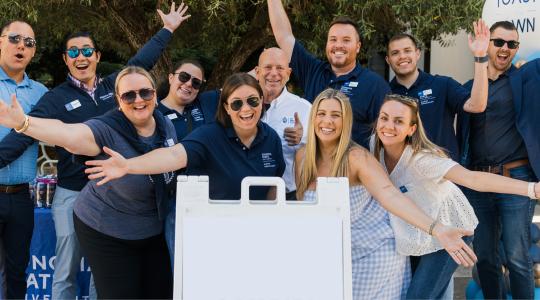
pixel 15 38
pixel 130 96
pixel 184 77
pixel 74 52
pixel 501 42
pixel 237 104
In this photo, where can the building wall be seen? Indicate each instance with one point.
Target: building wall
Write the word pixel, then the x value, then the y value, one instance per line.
pixel 455 60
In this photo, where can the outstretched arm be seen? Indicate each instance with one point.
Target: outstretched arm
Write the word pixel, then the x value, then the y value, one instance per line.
pixel 478 45
pixel 487 182
pixel 376 181
pixel 281 27
pixel 154 162
pixel 76 138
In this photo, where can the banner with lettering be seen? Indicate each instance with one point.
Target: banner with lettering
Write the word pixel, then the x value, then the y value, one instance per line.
pixel 525 14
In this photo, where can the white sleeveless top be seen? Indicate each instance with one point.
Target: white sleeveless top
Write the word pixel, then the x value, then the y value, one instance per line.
pixel 421 178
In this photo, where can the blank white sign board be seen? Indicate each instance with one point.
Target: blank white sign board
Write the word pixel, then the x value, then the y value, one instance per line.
pixel 262 250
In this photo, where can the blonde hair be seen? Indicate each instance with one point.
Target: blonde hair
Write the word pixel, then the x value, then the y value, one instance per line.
pixel 340 166
pixel 133 70
pixel 418 140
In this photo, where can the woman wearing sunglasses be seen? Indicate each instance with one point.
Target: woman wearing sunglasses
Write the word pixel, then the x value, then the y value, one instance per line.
pixel 379 272
pixel 119 226
pixel 425 174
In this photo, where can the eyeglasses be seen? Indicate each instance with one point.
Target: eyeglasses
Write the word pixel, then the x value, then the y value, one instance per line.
pixel 74 52
pixel 237 104
pixel 15 38
pixel 184 77
pixel 130 96
pixel 501 42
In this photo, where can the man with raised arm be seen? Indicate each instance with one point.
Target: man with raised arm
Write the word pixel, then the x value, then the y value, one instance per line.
pixel 82 96
pixel 365 89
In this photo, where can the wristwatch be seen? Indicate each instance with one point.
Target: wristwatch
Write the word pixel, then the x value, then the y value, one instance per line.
pixel 481 59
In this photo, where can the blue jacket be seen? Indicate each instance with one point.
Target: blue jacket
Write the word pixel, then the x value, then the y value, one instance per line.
pixel 70 104
pixel 525 85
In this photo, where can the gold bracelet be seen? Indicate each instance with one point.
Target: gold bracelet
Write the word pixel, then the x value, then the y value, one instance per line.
pixel 431 227
pixel 25 126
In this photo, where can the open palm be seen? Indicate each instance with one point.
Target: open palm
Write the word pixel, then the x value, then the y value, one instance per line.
pixel 479 43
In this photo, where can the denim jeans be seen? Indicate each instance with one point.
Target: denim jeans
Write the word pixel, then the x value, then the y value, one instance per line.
pixel 169 228
pixel 432 274
pixel 505 218
pixel 68 253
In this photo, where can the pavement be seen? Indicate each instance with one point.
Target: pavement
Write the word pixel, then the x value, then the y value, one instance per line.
pixel 462 276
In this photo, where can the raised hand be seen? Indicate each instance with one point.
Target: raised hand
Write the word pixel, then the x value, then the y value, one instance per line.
pixel 175 17
pixel 293 135
pixel 479 43
pixel 11 116
pixel 450 239
pixel 114 167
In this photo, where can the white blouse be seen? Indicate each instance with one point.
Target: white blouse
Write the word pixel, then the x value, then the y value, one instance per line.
pixel 421 178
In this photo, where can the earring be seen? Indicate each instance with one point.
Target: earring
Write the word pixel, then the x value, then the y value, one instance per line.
pixel 119 108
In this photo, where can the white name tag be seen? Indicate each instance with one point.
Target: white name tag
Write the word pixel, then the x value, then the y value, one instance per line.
pixel 172 116
pixel 427 92
pixel 353 84
pixel 170 142
pixel 73 105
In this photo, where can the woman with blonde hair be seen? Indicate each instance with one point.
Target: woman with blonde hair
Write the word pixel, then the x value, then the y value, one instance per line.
pixel 119 226
pixel 379 272
pixel 424 173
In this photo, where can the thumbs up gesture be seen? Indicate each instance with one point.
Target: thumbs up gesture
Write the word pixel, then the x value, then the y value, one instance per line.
pixel 293 135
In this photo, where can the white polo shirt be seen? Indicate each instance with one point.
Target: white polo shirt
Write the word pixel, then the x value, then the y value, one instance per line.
pixel 281 115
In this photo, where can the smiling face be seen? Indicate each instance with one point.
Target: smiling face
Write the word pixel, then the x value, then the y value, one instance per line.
pixel 139 112
pixel 183 92
pixel 15 57
pixel 245 119
pixel 82 68
pixel 394 124
pixel 328 122
pixel 403 57
pixel 500 58
pixel 342 46
pixel 273 72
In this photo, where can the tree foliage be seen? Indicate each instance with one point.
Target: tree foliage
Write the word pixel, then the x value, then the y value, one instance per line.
pixel 226 35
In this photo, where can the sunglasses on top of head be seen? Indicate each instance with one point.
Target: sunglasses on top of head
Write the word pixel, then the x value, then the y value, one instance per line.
pixel 74 52
pixel 237 104
pixel 501 42
pixel 130 96
pixel 184 77
pixel 15 38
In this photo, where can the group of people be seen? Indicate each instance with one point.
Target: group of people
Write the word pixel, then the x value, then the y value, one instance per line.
pixel 411 225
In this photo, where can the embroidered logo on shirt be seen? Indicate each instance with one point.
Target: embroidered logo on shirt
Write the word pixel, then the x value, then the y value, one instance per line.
pixel 426 97
pixel 73 105
pixel 197 115
pixel 347 87
pixel 268 161
pixel 106 96
pixel 169 142
pixel 403 189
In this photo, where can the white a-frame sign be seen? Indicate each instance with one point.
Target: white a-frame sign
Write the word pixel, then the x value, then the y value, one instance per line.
pixel 275 250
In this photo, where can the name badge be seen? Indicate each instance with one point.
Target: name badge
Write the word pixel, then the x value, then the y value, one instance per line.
pixel 170 142
pixel 172 116
pixel 353 84
pixel 427 92
pixel 403 189
pixel 73 105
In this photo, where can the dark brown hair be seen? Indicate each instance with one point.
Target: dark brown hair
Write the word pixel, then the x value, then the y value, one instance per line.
pixel 401 36
pixel 232 83
pixel 347 21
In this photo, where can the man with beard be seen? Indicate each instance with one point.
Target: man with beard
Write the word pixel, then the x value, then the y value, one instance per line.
pixel 440 98
pixel 17 47
pixel 82 96
pixel 365 89
pixel 504 140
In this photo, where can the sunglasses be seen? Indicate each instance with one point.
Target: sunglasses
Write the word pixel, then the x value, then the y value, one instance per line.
pixel 501 42
pixel 184 77
pixel 74 52
pixel 237 104
pixel 15 38
pixel 130 96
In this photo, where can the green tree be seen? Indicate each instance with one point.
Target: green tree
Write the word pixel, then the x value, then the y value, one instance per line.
pixel 227 35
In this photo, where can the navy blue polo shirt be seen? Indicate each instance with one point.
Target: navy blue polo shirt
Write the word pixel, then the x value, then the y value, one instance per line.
pixel 201 111
pixel 440 99
pixel 217 151
pixel 365 88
